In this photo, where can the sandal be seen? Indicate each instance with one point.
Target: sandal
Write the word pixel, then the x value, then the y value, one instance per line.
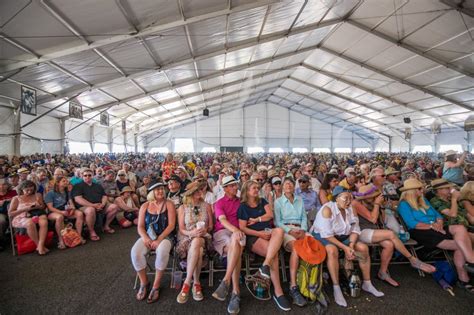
pixel 418 264
pixel 385 276
pixel 153 296
pixel 61 246
pixel 94 238
pixel 466 286
pixel 142 291
pixel 83 241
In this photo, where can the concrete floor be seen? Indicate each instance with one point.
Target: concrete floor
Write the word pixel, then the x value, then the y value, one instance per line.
pixel 97 279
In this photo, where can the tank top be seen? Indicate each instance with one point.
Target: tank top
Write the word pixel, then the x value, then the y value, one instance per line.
pixel 159 222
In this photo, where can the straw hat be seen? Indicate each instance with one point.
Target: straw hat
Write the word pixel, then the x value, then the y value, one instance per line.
pixel 310 250
pixel 410 184
pixel 126 189
pixel 271 173
pixel 192 188
pixel 156 185
pixel 367 192
pixel 440 183
pixel 450 152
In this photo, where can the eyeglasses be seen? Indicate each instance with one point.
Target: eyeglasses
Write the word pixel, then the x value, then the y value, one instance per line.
pixel 246 175
pixel 277 183
pixel 86 175
pixel 303 181
pixel 121 175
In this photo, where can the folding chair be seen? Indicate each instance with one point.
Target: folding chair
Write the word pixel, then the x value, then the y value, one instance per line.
pixel 151 271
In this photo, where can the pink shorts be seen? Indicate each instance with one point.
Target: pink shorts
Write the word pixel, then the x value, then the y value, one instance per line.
pixel 20 222
pixel 220 240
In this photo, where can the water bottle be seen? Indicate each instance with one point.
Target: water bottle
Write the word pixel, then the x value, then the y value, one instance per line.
pixel 259 291
pixel 402 235
pixel 354 285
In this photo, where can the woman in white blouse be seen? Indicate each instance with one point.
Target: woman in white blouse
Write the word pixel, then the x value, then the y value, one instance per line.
pixel 336 227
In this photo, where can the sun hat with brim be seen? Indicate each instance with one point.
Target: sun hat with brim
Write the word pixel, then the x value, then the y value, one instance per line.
pixel 450 152
pixel 367 192
pixel 192 188
pixel 228 180
pixel 310 250
pixel 22 170
pixel 411 183
pixel 441 183
pixel 126 189
pixel 156 185
pixel 271 173
pixel 391 171
pixel 175 178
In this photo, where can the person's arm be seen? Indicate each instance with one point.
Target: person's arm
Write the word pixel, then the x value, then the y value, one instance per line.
pixel 50 207
pixel 246 230
pixel 323 196
pixel 460 161
pixel 470 210
pixel 39 202
pixel 141 225
pixel 371 216
pixel 182 226
pixel 453 210
pixel 327 233
pixel 122 205
pixel 83 202
pixel 15 208
pixel 278 221
pixel 210 223
pixel 304 217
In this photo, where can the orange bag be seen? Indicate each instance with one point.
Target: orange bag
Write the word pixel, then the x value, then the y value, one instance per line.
pixel 70 236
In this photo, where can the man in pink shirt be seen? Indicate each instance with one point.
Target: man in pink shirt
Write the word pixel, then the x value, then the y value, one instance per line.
pixel 228 240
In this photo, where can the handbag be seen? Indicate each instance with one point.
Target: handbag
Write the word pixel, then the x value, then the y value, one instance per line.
pixel 70 236
pixel 25 245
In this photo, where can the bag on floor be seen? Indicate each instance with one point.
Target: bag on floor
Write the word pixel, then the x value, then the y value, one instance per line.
pixel 70 236
pixel 310 281
pixel 25 245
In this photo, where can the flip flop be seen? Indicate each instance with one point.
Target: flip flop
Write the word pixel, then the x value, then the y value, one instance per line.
pixel 109 231
pixel 153 296
pixel 142 292
pixel 94 238
pixel 61 246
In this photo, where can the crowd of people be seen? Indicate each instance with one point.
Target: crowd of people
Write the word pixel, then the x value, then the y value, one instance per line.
pixel 229 203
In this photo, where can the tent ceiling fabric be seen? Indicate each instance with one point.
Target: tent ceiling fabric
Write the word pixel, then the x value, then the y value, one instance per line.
pixel 360 64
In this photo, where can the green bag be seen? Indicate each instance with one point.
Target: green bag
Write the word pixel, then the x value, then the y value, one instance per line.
pixel 310 281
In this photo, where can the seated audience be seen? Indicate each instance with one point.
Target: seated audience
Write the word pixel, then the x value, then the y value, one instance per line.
pixel 194 239
pixel 127 214
pixel 337 227
pixel 327 186
pixel 26 211
pixel 426 226
pixel 255 220
pixel 61 206
pixel 156 227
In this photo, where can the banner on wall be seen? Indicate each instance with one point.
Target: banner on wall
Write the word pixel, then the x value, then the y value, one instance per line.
pixel 28 100
pixel 104 119
pixel 407 133
pixel 75 110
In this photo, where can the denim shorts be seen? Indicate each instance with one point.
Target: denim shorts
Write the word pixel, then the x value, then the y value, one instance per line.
pixel 341 238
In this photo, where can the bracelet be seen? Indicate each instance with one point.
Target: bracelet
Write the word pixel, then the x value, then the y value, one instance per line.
pixel 259 219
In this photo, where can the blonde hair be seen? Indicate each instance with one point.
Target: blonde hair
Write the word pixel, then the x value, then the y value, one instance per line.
pixel 467 191
pixel 188 198
pixel 416 202
pixel 245 188
pixel 151 195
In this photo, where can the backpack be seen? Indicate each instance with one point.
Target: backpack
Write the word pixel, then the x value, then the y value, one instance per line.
pixel 310 282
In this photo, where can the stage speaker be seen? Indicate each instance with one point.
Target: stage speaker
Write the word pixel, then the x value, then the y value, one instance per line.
pixel 407 120
pixel 205 112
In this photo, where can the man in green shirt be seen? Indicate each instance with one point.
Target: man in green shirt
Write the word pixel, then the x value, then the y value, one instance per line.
pixel 446 203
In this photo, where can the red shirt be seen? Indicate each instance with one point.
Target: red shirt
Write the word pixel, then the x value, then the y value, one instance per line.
pixel 9 195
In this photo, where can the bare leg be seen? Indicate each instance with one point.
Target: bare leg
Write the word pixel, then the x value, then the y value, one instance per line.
pixel 43 231
pixel 32 231
pixel 365 264
pixel 197 270
pixel 461 237
pixel 90 214
pixel 193 257
pixel 58 225
pixel 333 263
pixel 234 251
pixel 236 275
pixel 458 258
pixel 386 255
pixel 79 221
pixel 275 276
pixel 110 213
pixel 294 261
pixel 274 245
pixel 158 276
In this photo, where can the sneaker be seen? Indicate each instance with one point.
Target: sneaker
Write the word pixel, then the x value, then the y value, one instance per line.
pixel 298 299
pixel 197 292
pixel 234 304
pixel 221 291
pixel 264 271
pixel 184 294
pixel 282 303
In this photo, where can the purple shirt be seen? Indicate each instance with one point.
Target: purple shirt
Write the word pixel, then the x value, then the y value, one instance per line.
pixel 228 207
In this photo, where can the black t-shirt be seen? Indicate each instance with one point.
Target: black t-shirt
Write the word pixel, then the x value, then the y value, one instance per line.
pixel 246 212
pixel 92 193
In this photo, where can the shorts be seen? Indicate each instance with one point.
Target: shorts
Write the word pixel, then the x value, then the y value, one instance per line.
pixel 220 240
pixel 341 238
pixel 366 236
pixel 287 238
pixel 429 238
pixel 251 239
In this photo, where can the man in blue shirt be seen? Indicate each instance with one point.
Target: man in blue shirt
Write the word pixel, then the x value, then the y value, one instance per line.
pixel 309 196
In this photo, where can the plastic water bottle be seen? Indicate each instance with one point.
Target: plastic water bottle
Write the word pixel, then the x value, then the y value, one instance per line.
pixel 402 235
pixel 259 291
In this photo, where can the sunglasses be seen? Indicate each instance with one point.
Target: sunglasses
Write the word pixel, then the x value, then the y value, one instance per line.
pixel 121 175
pixel 86 175
pixel 246 175
pixel 303 181
pixel 277 183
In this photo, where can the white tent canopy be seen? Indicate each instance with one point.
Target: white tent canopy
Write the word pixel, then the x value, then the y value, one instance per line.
pixel 275 75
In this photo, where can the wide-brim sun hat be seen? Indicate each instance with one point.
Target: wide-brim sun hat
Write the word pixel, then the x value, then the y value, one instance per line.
pixel 440 183
pixel 126 189
pixel 411 183
pixel 450 152
pixel 192 188
pixel 310 250
pixel 228 180
pixel 156 185
pixel 367 192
